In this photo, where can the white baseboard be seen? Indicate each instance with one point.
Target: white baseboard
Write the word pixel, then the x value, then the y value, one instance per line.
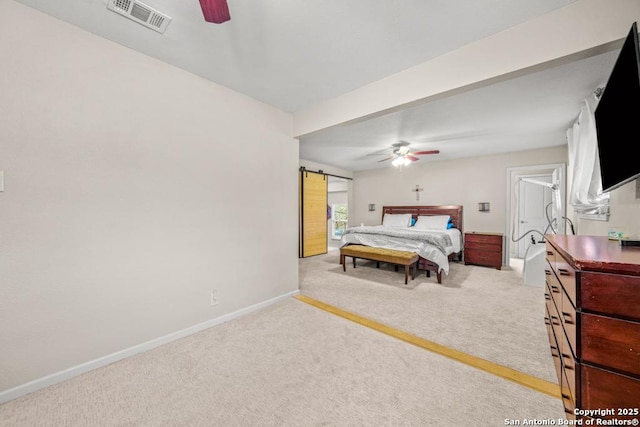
pixel 66 374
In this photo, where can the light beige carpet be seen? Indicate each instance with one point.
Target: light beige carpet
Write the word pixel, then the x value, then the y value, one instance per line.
pixel 292 364
pixel 482 311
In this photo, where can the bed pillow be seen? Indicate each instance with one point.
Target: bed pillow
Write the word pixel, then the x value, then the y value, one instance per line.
pixel 432 222
pixel 396 220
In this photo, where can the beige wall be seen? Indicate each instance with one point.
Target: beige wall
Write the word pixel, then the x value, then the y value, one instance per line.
pixel 457 182
pixel 132 189
pixel 470 181
pixel 625 214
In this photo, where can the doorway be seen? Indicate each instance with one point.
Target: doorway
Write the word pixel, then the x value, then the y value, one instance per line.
pixel 529 205
pixel 532 215
pixel 338 200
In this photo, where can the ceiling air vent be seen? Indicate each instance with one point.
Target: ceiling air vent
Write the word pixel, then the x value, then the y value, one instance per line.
pixel 141 13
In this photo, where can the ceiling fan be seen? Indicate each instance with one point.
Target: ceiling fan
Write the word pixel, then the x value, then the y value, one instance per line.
pixel 216 11
pixel 401 155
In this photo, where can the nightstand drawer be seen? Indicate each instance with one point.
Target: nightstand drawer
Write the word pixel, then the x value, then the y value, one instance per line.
pixel 484 247
pixel 490 259
pixel 483 257
pixel 493 239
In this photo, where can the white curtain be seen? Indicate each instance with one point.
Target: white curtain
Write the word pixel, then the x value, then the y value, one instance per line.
pixel 585 194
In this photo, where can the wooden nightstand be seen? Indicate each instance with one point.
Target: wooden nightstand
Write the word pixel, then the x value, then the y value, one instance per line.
pixel 483 249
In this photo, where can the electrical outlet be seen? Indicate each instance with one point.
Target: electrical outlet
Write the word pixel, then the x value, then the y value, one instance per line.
pixel 214 297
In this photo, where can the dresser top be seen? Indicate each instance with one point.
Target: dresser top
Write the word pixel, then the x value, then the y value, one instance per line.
pixel 597 253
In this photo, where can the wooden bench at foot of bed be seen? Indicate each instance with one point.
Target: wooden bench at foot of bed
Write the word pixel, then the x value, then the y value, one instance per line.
pixel 391 256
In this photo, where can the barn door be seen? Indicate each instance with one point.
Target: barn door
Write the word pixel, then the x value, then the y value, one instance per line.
pixel 313 213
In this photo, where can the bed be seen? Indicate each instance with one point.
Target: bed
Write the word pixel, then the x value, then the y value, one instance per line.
pixel 435 241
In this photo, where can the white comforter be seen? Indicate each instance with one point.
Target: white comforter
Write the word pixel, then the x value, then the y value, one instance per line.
pixel 433 245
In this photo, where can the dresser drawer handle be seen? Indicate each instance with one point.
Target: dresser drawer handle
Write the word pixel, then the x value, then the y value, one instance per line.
pixel 555 289
pixel 547 272
pixel 565 396
pixel 547 321
pixel 568 318
pixel 547 296
pixel 564 272
pixel 555 320
pixel 550 253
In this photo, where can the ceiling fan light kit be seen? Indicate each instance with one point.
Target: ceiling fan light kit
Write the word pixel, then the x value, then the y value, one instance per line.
pixel 216 11
pixel 402 156
pixel 401 161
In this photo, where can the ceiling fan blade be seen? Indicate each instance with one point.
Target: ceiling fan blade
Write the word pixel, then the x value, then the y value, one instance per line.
pixel 412 158
pixel 216 11
pixel 388 158
pixel 401 143
pixel 426 152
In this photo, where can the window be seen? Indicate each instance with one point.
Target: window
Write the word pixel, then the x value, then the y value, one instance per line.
pixel 339 219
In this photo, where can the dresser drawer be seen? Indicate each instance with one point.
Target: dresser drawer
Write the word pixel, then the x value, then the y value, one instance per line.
pixel 565 318
pixel 567 276
pixel 570 319
pixel 554 288
pixel 551 256
pixel 556 324
pixel 610 293
pixel 554 347
pixel 606 389
pixel 611 342
pixel 568 398
pixel 569 366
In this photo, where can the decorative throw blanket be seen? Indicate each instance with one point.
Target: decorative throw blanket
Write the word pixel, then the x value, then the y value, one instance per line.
pixel 436 238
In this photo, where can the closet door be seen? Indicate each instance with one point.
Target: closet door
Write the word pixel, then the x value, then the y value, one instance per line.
pixel 313 213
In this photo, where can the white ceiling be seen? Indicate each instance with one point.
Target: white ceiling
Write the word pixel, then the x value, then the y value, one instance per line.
pixel 294 54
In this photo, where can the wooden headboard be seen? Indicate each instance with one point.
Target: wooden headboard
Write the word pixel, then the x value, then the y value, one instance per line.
pixel 454 211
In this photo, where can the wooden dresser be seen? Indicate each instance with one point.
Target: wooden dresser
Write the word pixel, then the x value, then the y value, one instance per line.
pixel 593 321
pixel 483 249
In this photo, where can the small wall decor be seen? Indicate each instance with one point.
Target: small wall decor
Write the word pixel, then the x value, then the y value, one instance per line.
pixel 372 207
pixel 484 207
pixel 417 190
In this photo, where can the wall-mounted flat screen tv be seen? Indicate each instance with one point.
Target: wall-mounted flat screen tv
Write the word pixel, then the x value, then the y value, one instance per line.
pixel 617 117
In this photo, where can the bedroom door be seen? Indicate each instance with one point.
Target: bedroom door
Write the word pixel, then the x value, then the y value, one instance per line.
pixel 312 213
